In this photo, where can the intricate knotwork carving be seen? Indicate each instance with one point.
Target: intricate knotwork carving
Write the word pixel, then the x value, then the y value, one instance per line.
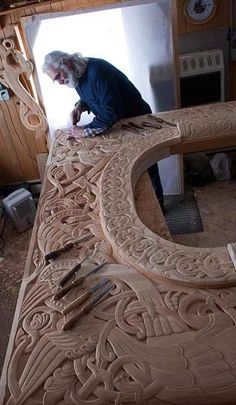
pixel 148 342
pixel 14 64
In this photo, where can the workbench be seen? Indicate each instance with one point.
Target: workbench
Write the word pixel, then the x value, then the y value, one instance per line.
pixel 165 334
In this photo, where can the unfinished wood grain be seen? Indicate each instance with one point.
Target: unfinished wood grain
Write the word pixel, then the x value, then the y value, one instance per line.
pixel 13 165
pixel 69 5
pixel 56 6
pixel 27 162
pixel 171 310
pixel 42 161
pixel 16 16
pixel 14 65
pixel 148 208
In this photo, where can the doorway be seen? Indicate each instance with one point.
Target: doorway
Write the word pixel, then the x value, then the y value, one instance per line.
pixel 136 38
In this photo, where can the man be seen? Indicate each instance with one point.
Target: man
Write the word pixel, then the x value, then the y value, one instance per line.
pixel 104 90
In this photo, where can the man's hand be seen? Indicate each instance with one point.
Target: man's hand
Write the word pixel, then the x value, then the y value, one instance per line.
pixel 77 112
pixel 76 132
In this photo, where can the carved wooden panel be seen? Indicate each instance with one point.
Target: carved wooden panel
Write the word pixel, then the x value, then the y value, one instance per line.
pixel 159 337
pixel 14 64
pixel 23 124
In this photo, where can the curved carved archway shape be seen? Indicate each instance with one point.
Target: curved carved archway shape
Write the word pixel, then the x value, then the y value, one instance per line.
pixel 150 341
pixel 131 240
pixel 14 64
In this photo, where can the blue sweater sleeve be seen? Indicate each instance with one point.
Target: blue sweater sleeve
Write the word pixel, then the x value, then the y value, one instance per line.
pixel 108 98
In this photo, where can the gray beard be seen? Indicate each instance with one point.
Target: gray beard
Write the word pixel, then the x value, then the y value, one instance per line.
pixel 71 76
pixel 75 72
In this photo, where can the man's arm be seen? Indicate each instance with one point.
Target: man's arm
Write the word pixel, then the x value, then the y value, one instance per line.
pixel 76 113
pixel 109 101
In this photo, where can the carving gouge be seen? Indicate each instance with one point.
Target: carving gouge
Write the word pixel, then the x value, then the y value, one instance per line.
pixel 84 296
pixel 160 120
pixel 67 246
pixel 57 252
pixel 71 273
pixel 131 129
pixel 148 124
pixel 134 125
pixel 86 308
pixel 76 283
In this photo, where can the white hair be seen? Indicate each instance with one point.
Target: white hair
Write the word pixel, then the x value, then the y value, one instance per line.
pixel 57 59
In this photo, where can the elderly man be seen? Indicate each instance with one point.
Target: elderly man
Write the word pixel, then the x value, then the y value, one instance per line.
pixel 104 90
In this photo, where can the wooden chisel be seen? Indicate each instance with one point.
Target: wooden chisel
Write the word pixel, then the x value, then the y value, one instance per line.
pixel 67 246
pixel 86 308
pixel 71 273
pixel 76 283
pixel 161 121
pixel 130 129
pixel 84 296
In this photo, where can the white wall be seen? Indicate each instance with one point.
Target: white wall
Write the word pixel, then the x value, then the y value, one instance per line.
pixel 148 31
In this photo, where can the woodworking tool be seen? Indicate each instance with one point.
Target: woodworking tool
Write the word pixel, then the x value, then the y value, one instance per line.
pixel 148 124
pixel 67 246
pixel 126 127
pixel 134 125
pixel 135 128
pixel 86 308
pixel 71 273
pixel 76 283
pixel 160 120
pixel 84 296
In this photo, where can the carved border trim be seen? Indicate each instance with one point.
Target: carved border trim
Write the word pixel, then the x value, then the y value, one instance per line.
pixel 137 245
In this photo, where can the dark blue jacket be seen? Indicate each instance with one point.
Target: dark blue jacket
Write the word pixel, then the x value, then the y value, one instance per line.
pixel 109 94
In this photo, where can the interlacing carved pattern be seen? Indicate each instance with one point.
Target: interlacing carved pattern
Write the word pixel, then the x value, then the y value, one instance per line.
pixel 137 245
pixel 14 65
pixel 207 121
pixel 149 342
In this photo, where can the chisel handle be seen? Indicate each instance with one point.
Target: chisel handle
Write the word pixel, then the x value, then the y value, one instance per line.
pixel 134 125
pixel 65 290
pixel 55 253
pixel 83 297
pixel 69 274
pixel 131 129
pixel 84 310
pixel 151 125
pixel 161 120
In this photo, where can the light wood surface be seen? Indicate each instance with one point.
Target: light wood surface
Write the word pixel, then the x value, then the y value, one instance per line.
pixel 159 336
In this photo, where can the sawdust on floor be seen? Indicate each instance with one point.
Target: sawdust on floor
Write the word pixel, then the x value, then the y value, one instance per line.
pixel 12 265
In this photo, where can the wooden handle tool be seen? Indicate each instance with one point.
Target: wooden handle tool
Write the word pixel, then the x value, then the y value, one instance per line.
pixel 130 129
pixel 76 283
pixel 160 120
pixel 84 296
pixel 151 125
pixel 87 307
pixel 134 125
pixel 71 273
pixel 67 246
pixel 65 290
pixel 84 310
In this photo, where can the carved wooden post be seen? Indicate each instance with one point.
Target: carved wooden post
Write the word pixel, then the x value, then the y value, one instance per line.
pixel 14 64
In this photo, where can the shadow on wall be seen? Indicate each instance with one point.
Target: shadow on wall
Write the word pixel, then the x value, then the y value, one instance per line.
pixel 162 85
